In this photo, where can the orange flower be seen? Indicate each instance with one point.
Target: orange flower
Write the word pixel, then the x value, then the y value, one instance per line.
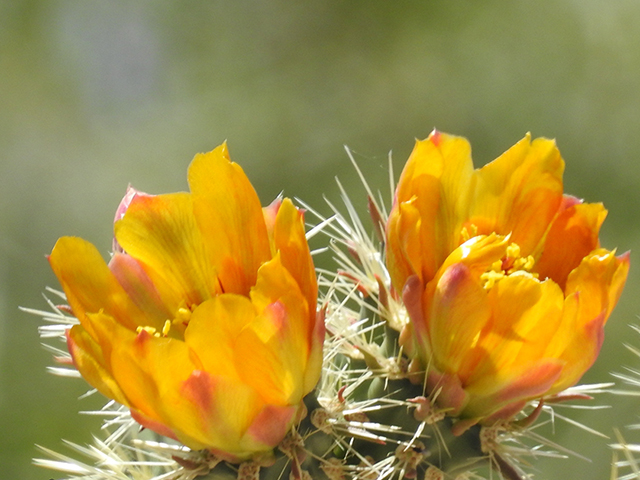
pixel 503 277
pixel 204 321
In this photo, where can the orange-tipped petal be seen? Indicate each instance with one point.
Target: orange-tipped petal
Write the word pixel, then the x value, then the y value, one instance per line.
pixel 515 335
pixel 283 334
pixel 269 427
pixel 222 411
pixel 91 287
pixel 130 194
pixel 130 274
pixel 161 233
pixel 514 386
pixel 592 292
pixel 399 263
pixel 519 193
pixel 458 312
pixel 571 237
pixel 270 212
pixel 599 278
pixel 436 180
pixel 290 241
pixel 272 356
pixel 213 331
pixel 88 358
pixel 227 208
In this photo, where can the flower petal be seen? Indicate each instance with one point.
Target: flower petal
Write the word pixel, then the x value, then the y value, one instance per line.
pixel 160 232
pixel 129 195
pixel 90 286
pixel 213 331
pixel 458 313
pixel 515 336
pixel 139 286
pixel 88 358
pixel 281 336
pixel 524 382
pixel 224 410
pixel 230 217
pixel 571 237
pixel 599 278
pixel 436 179
pixel 592 292
pixel 399 229
pixel 151 372
pixel 290 241
pixel 519 192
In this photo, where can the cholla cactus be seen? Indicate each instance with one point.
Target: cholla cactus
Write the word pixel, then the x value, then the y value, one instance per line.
pixel 626 455
pixel 438 354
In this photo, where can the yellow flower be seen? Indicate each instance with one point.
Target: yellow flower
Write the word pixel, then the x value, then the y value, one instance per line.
pixel 503 277
pixel 204 321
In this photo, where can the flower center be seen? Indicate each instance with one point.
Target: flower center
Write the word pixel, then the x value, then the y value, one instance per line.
pixel 511 264
pixel 181 320
pixel 154 332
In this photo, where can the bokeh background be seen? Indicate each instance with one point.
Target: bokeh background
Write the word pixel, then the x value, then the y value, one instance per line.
pixel 94 95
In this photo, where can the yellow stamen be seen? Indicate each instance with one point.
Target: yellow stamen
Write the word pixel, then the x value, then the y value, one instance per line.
pixel 468 234
pixel 166 327
pixel 511 264
pixel 490 278
pixel 513 250
pixel 475 340
pixel 183 315
pixel 150 330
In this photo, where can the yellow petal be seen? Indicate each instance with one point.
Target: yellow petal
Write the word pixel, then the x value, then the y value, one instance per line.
pixel 243 354
pixel 571 237
pixel 283 334
pixel 213 331
pixel 230 217
pixel 436 179
pixel 90 286
pixel 219 410
pixel 525 316
pixel 519 193
pixel 599 278
pixel 289 239
pixel 398 262
pixel 271 357
pixel 515 386
pixel 161 232
pixel 130 274
pixel 89 360
pixel 458 313
pixel 455 291
pixel 151 372
pixel 592 292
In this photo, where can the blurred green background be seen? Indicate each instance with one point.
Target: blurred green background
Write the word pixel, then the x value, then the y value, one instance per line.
pixel 94 95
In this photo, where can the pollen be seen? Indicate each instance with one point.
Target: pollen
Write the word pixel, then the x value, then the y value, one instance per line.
pixel 183 314
pixel 154 331
pixel 469 233
pixel 166 327
pixel 511 264
pixel 150 330
pixel 513 250
pixel 490 278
